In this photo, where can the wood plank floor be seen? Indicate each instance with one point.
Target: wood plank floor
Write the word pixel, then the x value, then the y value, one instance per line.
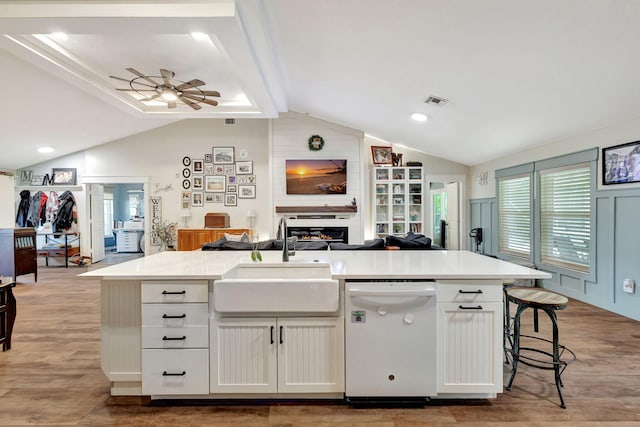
pixel 52 376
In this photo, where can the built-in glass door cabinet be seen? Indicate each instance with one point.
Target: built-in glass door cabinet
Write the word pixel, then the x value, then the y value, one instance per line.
pixel 398 197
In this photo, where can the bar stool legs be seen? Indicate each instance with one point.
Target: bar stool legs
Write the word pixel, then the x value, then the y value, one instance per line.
pixel 555 361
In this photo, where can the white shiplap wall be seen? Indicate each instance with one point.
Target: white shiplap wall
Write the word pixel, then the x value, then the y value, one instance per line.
pixel 289 140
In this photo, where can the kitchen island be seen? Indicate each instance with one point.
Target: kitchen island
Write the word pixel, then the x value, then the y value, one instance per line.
pixel 163 336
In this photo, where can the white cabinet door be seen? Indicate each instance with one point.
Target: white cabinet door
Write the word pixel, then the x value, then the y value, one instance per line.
pixel 268 355
pixel 311 355
pixel 243 355
pixel 470 347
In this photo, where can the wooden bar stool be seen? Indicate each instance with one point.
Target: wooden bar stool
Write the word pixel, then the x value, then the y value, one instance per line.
pixel 549 302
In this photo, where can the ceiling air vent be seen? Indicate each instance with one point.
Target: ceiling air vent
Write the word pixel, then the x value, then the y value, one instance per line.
pixel 436 100
pixel 229 121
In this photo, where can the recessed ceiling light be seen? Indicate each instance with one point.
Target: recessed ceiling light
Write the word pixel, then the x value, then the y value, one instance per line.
pixel 199 36
pixel 60 36
pixel 45 150
pixel 419 117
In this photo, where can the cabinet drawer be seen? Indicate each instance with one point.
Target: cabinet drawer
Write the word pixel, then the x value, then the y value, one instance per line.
pixel 175 291
pixel 469 292
pixel 168 372
pixel 175 315
pixel 168 337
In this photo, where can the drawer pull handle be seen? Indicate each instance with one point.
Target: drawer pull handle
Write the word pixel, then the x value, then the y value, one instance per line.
pixel 174 374
pixel 461 307
pixel 167 316
pixel 166 338
pixel 173 293
pixel 479 291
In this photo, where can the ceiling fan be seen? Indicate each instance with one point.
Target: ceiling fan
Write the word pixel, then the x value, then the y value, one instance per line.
pixel 169 91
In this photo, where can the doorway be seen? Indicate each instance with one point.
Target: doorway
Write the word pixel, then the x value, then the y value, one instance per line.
pixel 114 204
pixel 444 208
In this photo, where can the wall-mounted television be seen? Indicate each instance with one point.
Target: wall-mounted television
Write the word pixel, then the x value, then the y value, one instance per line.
pixel 313 176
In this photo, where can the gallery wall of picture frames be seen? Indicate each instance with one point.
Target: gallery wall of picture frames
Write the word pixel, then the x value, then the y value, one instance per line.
pixel 217 178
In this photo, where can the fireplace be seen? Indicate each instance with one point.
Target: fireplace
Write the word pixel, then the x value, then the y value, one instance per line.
pixel 328 234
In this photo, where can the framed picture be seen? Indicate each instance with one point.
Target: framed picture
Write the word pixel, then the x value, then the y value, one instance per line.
pixel 197 183
pixel 229 170
pixel 246 191
pixel 208 158
pixel 233 188
pixel 381 155
pixel 218 197
pixel 198 166
pixel 208 169
pixel 621 163
pixel 218 169
pixel 186 196
pixel 230 200
pixel 231 179
pixel 244 168
pixel 197 198
pixel 208 197
pixel 214 183
pixel 251 179
pixel 241 179
pixel 186 204
pixel 63 176
pixel 223 155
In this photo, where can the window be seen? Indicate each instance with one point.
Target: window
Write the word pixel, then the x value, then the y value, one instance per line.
pixel 108 214
pixel 565 216
pixel 514 215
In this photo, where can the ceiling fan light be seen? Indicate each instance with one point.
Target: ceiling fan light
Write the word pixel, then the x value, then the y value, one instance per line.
pixel 419 117
pixel 169 95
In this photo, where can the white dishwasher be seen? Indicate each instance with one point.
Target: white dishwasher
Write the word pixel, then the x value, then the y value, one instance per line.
pixel 390 339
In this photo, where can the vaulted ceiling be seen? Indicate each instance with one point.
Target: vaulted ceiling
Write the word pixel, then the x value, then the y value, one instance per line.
pixel 516 74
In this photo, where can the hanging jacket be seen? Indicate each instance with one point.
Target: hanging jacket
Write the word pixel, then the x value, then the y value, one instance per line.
pixel 36 213
pixel 52 206
pixel 23 209
pixel 66 212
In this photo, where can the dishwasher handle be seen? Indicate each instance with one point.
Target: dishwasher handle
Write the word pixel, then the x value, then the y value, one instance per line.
pixel 393 293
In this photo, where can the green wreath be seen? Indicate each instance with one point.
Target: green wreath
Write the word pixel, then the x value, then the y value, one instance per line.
pixel 316 143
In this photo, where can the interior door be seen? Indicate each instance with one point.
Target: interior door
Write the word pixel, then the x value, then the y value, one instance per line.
pixel 96 221
pixel 453 216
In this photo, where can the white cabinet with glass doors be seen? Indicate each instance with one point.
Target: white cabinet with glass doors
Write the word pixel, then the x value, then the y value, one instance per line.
pixel 398 207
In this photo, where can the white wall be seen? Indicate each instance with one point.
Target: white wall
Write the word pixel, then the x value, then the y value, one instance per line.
pixel 290 135
pixel 8 202
pixel 605 137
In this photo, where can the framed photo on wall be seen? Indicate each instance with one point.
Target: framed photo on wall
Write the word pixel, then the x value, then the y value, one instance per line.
pixel 621 163
pixel 63 176
pixel 244 168
pixel 214 183
pixel 223 155
pixel 218 197
pixel 198 166
pixel 230 200
pixel 246 191
pixel 197 198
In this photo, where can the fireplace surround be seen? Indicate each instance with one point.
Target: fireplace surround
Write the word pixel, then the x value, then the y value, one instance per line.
pixel 325 233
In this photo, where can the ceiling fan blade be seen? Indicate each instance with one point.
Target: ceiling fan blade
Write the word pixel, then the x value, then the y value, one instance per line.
pixel 191 104
pixel 137 90
pixel 210 102
pixel 190 83
pixel 204 92
pixel 167 76
pixel 139 74
pixel 200 99
pixel 172 104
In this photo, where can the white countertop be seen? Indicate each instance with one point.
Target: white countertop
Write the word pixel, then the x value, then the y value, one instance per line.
pixel 400 264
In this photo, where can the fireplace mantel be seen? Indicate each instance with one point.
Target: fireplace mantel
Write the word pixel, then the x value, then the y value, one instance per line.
pixel 317 209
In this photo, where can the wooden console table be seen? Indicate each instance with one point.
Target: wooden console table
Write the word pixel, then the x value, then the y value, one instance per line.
pixel 7 312
pixel 60 245
pixel 190 239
